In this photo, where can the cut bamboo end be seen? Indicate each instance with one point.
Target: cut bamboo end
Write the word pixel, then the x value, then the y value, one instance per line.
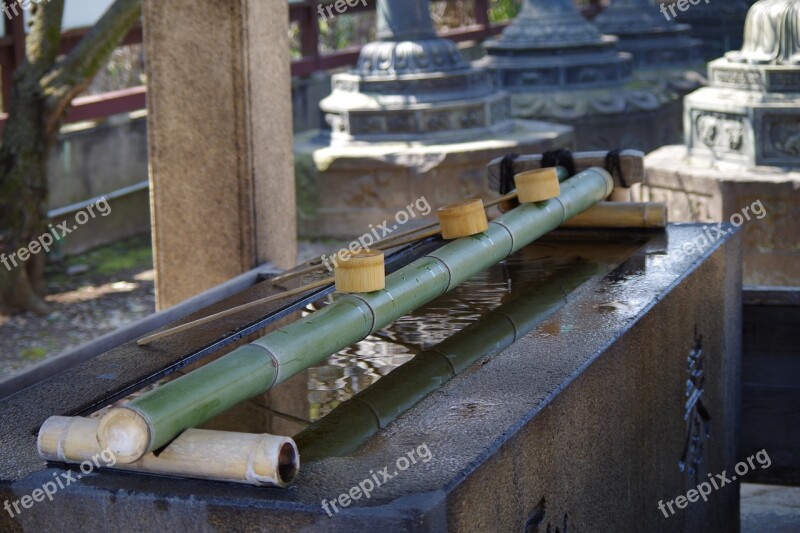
pixel 264 469
pixel 463 219
pixel 538 185
pixel 364 272
pixel 68 439
pixel 125 433
pixel 261 460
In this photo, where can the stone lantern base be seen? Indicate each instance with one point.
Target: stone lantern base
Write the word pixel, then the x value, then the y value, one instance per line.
pixel 342 189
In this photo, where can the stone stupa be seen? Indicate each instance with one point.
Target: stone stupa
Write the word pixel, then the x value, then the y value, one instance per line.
pixel 743 146
pixel 559 67
pixel 413 119
pixel 663 50
pixel 413 85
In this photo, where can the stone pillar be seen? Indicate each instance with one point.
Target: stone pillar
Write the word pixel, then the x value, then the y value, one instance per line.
pixel 220 136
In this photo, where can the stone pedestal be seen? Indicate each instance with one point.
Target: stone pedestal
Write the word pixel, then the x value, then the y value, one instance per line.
pixel 743 146
pixel 558 67
pixel 413 119
pixel 220 127
pixel 343 189
pixel 699 190
pixel 749 115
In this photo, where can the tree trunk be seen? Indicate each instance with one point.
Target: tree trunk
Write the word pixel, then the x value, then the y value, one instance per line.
pixel 44 86
pixel 23 160
pixel 23 171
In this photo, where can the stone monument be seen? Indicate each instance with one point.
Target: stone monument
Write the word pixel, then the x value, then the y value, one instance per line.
pixel 663 50
pixel 743 146
pixel 412 119
pixel 559 67
pixel 412 85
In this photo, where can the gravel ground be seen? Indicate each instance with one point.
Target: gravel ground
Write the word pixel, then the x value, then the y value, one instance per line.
pixel 91 295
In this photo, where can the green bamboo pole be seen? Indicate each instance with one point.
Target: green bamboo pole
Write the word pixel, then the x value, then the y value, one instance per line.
pixel 348 426
pixel 154 419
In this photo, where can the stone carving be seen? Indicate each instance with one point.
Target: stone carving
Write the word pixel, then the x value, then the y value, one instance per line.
pixel 785 81
pixel 784 134
pixel 438 122
pixel 501 111
pixel 472 118
pixel 394 58
pixel 771 35
pixel 335 122
pixel 698 420
pixel 401 123
pixel 566 106
pixel 741 78
pixel 532 78
pixel 368 125
pixel 719 131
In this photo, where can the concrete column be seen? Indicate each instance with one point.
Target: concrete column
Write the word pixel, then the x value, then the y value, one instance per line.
pixel 220 136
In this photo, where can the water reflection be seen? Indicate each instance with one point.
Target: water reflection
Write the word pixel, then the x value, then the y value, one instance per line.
pixel 359 366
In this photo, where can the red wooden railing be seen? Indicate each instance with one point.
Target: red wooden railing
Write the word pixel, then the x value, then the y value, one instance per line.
pixel 304 13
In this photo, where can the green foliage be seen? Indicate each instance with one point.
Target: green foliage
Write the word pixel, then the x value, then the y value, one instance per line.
pixel 33 353
pixel 502 10
pixel 134 253
pixel 344 31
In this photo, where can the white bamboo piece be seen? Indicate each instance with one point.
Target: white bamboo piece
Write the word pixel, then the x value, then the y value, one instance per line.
pixel 260 460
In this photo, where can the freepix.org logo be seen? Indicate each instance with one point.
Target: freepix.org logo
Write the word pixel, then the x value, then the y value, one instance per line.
pixel 12 9
pixel 682 5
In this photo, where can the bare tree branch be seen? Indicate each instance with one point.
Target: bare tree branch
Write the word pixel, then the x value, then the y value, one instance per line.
pixel 44 85
pixel 73 73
